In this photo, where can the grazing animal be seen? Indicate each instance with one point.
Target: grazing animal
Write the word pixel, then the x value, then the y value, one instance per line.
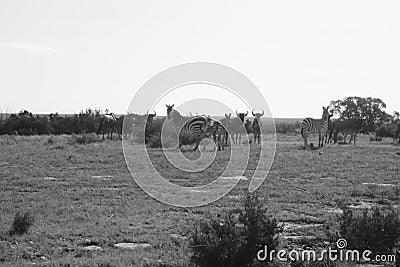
pixel 329 132
pixel 218 131
pixel 226 122
pixel 248 126
pixel 195 128
pixel 397 135
pixel 237 127
pixel 319 126
pixel 347 127
pixel 125 123
pixel 257 126
pixel 107 125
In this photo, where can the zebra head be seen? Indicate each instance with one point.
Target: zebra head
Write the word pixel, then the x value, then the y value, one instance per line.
pixel 325 115
pixel 241 116
pixel 169 110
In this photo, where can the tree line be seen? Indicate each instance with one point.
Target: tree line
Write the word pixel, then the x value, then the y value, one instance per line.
pixel 87 121
pixel 25 123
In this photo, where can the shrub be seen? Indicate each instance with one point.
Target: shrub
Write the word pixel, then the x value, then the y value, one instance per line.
pixel 375 230
pixel 235 238
pixel 50 140
pixel 287 128
pixel 21 223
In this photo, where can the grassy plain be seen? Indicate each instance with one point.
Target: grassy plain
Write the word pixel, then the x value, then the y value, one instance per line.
pixel 83 195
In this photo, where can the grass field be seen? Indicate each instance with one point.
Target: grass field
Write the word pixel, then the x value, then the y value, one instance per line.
pixel 82 195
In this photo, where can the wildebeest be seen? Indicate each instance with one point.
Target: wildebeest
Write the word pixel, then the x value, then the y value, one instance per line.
pixel 107 125
pixel 319 126
pixel 237 127
pixel 257 126
pixel 347 127
pixel 125 123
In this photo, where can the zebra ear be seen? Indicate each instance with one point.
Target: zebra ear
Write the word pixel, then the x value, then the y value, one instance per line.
pixel 172 105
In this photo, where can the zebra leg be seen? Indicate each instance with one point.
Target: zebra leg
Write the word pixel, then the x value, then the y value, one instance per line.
pixel 197 145
pixel 305 135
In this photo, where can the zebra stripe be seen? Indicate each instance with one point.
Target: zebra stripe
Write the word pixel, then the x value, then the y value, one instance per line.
pixel 219 134
pixel 319 126
pixel 194 127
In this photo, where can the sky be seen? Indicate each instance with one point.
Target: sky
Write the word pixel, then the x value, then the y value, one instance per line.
pixel 65 56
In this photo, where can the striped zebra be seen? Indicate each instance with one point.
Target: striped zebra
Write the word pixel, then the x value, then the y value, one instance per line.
pixel 191 129
pixel 319 126
pixel 218 131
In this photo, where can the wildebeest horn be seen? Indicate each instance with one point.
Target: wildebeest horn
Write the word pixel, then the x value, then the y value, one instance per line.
pixel 236 113
pixel 252 112
pixel 263 112
pixel 155 114
pixel 246 113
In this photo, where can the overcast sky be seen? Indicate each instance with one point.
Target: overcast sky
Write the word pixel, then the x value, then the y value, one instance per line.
pixel 68 55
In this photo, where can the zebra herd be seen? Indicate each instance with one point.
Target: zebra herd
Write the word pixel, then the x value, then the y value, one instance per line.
pixel 200 127
pixel 230 129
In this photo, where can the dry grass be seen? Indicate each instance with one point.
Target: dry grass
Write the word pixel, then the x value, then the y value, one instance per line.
pixel 94 200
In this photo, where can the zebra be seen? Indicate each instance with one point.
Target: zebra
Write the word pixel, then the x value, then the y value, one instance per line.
pixel 237 127
pixel 194 128
pixel 257 126
pixel 218 131
pixel 329 132
pixel 319 126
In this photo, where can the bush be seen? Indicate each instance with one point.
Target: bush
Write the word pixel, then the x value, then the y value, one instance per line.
pixel 21 223
pixel 375 230
pixel 287 128
pixel 235 238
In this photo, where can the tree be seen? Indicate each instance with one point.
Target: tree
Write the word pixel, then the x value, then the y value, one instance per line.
pixel 368 108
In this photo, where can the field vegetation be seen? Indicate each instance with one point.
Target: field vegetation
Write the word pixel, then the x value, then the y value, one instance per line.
pixel 81 200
